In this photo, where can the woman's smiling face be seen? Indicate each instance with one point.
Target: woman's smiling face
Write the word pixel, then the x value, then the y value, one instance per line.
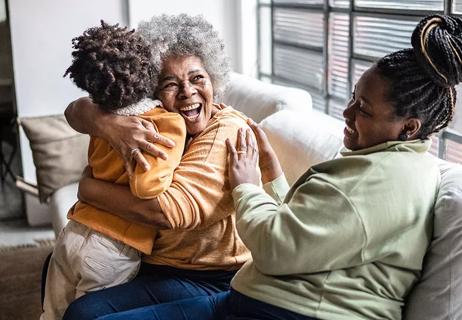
pixel 185 88
pixel 370 119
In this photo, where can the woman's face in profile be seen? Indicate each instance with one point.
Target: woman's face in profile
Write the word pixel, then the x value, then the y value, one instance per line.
pixel 370 119
pixel 185 88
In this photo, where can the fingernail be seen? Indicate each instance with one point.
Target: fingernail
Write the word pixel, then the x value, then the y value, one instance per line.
pixel 250 121
pixel 147 167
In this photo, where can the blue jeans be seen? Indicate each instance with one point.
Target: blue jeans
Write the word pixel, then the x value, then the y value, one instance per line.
pixel 230 305
pixel 153 285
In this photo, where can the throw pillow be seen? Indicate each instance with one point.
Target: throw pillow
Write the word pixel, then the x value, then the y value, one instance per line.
pixel 59 152
pixel 258 99
pixel 438 293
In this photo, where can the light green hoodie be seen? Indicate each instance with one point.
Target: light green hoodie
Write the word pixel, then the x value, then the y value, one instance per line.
pixel 348 240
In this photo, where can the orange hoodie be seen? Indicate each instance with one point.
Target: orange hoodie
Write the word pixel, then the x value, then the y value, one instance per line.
pixel 199 205
pixel 106 164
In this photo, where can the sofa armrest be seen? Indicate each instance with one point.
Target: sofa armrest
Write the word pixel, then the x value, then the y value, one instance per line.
pixel 60 203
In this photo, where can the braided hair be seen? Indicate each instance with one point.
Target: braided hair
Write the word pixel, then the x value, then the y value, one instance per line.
pixel 113 65
pixel 422 79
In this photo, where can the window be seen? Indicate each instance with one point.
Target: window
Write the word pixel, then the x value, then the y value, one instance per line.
pixel 323 46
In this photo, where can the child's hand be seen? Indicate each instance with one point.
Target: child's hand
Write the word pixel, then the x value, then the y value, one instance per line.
pixel 242 166
pixel 269 164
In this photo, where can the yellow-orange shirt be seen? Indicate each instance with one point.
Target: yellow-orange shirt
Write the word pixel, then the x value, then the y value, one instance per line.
pixel 106 164
pixel 199 206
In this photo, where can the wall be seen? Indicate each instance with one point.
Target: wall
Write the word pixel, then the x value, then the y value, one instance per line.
pixel 41 33
pixel 235 21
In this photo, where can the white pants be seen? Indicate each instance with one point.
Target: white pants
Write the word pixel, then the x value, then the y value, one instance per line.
pixel 84 260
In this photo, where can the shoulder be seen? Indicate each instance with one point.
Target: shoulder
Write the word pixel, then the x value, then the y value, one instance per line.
pixel 400 164
pixel 227 118
pixel 165 120
pixel 160 113
pixel 381 173
pixel 388 165
pixel 212 141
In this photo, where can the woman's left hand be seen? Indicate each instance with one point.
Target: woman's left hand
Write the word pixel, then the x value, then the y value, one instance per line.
pixel 243 160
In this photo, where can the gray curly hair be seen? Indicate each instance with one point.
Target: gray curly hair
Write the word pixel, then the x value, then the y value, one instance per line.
pixel 179 35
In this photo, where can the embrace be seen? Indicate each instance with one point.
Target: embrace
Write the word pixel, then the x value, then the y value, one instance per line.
pixel 184 211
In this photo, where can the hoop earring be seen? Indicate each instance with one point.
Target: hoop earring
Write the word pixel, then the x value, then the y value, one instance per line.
pixel 403 136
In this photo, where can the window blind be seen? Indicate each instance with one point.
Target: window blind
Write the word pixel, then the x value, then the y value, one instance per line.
pixel 376 36
pixel 426 5
pixel 323 46
pixel 339 3
pixel 338 54
pixel 290 63
pixel 299 27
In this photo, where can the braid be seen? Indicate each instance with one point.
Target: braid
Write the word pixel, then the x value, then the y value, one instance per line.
pixel 112 64
pixel 422 79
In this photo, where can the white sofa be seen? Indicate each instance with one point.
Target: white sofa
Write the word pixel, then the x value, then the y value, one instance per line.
pixel 302 137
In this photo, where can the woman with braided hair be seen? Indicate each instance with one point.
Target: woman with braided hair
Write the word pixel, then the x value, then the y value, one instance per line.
pixel 347 240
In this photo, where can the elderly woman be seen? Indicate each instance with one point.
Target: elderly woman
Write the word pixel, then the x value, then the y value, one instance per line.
pixel 348 239
pixel 198 251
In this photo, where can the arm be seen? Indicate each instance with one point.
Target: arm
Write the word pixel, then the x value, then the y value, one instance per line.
pixel 200 192
pixel 83 122
pixel 123 133
pixel 119 200
pixel 277 188
pixel 149 184
pixel 316 230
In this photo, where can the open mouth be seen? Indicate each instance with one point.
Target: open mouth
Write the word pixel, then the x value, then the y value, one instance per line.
pixel 348 130
pixel 192 111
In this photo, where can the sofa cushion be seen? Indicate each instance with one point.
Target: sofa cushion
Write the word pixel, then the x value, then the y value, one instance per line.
pixel 258 99
pixel 59 152
pixel 439 292
pixel 302 139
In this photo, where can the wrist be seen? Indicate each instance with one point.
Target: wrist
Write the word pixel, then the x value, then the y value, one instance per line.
pixel 101 127
pixel 270 174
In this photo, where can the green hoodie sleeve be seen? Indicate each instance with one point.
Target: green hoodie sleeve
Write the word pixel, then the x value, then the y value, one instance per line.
pixel 277 188
pixel 317 229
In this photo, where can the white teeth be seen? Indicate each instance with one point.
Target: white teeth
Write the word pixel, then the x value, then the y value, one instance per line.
pixel 349 129
pixel 191 107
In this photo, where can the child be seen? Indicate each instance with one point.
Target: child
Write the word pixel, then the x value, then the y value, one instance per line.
pixel 97 249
